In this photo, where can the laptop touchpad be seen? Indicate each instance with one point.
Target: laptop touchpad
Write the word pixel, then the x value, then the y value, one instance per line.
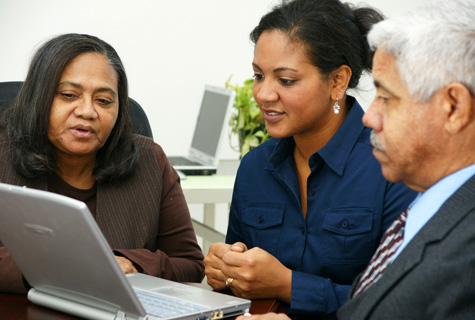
pixel 171 291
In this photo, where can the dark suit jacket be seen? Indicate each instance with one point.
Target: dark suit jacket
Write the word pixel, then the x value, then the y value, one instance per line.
pixel 434 276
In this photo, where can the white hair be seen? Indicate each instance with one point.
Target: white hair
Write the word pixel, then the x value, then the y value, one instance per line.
pixel 434 45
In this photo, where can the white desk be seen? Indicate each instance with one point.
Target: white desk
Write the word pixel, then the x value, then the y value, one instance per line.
pixel 208 190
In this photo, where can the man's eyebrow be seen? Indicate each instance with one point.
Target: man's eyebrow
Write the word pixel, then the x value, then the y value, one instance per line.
pixel 379 85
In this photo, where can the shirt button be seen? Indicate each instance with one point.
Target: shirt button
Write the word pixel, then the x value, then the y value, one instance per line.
pixel 260 219
pixel 312 192
pixel 344 223
pixel 303 231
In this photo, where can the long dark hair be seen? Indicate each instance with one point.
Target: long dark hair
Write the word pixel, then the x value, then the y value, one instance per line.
pixel 27 121
pixel 334 33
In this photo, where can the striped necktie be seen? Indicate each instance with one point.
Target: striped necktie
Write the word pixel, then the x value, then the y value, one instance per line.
pixel 383 255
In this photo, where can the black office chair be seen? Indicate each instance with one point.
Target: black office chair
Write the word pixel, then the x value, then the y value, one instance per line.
pixel 140 124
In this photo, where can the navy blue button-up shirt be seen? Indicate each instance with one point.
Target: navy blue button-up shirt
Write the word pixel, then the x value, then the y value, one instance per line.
pixel 349 206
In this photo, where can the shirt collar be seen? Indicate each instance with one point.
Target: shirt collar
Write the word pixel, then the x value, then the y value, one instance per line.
pixel 428 203
pixel 283 149
pixel 337 151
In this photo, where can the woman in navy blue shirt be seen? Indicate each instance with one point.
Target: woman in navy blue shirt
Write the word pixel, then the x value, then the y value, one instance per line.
pixel 310 205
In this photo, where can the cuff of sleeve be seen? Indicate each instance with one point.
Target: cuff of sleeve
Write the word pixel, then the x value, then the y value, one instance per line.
pixel 315 295
pixel 308 293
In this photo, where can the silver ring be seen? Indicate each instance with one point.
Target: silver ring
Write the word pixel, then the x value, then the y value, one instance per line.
pixel 229 282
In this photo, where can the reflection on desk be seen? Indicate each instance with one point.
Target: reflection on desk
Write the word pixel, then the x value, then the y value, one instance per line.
pixel 17 307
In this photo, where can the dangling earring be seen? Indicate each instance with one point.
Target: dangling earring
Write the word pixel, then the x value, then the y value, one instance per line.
pixel 336 107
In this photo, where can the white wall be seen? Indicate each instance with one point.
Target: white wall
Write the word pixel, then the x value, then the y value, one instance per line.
pixel 170 49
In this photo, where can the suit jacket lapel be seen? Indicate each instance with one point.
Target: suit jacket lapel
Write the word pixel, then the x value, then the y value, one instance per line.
pixel 451 212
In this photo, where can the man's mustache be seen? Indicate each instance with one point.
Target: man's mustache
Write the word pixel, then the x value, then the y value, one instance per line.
pixel 375 141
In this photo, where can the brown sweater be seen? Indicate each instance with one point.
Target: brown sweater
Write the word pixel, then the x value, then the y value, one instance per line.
pixel 144 217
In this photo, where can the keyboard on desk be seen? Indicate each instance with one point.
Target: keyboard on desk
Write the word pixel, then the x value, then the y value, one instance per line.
pixel 161 306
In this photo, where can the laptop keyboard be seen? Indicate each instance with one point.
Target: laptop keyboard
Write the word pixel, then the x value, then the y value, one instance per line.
pixel 163 307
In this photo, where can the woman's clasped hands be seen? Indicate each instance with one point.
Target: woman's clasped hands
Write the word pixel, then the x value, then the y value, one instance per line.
pixel 248 273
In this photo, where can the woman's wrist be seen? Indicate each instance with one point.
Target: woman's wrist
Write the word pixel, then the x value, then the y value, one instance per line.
pixel 285 291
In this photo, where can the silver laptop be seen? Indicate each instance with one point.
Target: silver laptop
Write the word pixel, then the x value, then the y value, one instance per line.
pixel 209 134
pixel 64 256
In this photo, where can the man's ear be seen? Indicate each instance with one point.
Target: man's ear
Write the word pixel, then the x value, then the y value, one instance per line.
pixel 458 106
pixel 341 77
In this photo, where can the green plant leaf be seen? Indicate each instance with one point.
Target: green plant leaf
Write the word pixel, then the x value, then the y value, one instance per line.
pixel 246 120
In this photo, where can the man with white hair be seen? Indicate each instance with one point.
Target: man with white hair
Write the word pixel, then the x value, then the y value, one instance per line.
pixel 423 120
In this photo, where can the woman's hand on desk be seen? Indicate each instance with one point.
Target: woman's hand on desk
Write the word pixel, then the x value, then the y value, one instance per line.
pixel 126 265
pixel 214 263
pixel 256 274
